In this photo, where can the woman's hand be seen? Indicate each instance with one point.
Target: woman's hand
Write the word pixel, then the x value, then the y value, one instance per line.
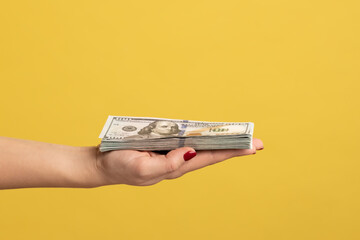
pixel 26 163
pixel 147 168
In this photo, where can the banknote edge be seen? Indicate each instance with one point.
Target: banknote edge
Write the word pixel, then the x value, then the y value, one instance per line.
pixel 111 117
pixel 106 126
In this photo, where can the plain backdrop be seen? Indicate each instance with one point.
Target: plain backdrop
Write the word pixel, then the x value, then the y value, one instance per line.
pixel 291 67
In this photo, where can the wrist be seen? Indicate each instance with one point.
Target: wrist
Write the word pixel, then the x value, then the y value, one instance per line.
pixel 87 171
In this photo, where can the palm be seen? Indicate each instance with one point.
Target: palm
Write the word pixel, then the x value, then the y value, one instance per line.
pixel 147 168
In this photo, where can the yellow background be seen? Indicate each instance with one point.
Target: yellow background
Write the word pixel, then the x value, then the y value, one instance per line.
pixel 291 67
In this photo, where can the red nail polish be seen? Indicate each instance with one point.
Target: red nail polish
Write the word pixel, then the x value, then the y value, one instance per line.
pixel 189 155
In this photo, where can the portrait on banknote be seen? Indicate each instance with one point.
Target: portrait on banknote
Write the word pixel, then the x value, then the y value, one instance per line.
pixel 157 129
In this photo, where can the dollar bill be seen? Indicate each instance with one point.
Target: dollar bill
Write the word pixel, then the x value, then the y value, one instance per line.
pixel 152 134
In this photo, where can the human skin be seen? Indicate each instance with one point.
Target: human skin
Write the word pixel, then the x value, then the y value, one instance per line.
pixel 26 163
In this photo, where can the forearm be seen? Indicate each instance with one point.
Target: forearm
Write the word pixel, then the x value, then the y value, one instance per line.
pixel 25 163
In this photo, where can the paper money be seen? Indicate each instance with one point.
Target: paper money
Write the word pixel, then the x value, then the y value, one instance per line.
pixel 161 134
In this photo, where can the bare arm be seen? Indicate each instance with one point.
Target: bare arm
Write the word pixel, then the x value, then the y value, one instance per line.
pixel 25 163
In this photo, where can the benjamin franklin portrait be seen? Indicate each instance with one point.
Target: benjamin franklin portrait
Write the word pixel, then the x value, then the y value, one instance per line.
pixel 157 129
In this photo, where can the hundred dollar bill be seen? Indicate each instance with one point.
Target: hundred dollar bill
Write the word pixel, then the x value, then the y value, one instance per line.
pixel 151 134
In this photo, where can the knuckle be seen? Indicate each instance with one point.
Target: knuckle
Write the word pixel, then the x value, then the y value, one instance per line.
pixel 213 158
pixel 172 166
pixel 141 171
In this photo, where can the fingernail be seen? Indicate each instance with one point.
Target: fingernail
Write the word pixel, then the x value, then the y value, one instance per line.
pixel 261 148
pixel 189 155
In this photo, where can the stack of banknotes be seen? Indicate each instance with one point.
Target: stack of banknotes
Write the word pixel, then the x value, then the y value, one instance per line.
pixel 160 134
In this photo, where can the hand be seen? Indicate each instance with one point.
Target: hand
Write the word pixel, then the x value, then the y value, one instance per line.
pixel 147 168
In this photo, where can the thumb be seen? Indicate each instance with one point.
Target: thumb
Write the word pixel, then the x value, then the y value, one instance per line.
pixel 176 158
